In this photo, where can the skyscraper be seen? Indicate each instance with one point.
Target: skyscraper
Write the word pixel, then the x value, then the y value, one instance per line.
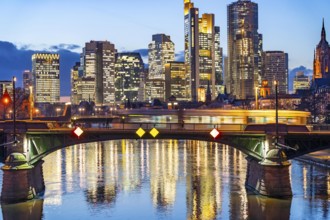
pixel 322 57
pixel 75 84
pixel 27 80
pixel 161 51
pixel 275 67
pixel 206 53
pixel 244 49
pixel 129 70
pixel 191 48
pixel 98 62
pixel 203 54
pixel 175 80
pixel 46 77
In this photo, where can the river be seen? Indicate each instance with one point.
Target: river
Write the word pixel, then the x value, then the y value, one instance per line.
pixel 165 179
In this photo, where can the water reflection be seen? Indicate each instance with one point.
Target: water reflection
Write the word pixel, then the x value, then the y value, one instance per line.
pixel 166 179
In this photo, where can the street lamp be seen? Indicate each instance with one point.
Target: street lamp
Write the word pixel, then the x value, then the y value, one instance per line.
pixel 256 94
pixel 57 111
pixel 31 102
pixel 276 110
pixel 14 107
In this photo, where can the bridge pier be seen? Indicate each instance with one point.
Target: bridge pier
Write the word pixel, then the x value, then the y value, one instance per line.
pixel 270 177
pixel 21 181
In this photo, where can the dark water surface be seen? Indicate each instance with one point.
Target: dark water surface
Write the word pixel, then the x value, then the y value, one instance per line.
pixel 165 179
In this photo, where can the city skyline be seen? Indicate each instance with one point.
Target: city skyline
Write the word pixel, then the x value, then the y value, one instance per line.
pixel 299 21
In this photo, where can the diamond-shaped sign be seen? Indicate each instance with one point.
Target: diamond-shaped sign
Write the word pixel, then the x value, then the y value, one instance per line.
pixel 78 131
pixel 214 133
pixel 154 132
pixel 140 132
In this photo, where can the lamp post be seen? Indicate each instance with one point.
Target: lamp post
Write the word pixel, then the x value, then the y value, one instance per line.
pixel 31 102
pixel 14 107
pixel 276 111
pixel 256 94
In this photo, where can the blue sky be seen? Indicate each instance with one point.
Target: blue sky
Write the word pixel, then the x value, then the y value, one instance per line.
pixel 293 26
pixel 289 25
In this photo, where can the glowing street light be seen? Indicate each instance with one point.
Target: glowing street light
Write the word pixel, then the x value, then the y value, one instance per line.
pixel 276 111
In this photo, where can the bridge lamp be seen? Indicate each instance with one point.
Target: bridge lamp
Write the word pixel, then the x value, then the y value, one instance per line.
pixel 5 100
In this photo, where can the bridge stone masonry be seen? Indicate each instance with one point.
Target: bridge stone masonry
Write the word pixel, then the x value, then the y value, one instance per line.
pixel 268 157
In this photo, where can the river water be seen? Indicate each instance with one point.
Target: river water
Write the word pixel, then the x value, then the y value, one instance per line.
pixel 165 179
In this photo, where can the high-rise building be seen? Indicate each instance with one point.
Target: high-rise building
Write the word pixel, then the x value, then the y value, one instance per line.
pixel 218 62
pixel 206 54
pixel 322 57
pixel 75 84
pixel 27 81
pixel 203 54
pixel 175 80
pixel 98 62
pixel 244 49
pixel 129 70
pixel 301 82
pixel 161 51
pixel 191 48
pixel 275 67
pixel 46 77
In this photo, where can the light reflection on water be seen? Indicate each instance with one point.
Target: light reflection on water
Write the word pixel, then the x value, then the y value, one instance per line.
pixel 166 179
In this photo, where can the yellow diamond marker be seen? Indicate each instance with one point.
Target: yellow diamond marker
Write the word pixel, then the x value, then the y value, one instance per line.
pixel 154 132
pixel 214 133
pixel 140 132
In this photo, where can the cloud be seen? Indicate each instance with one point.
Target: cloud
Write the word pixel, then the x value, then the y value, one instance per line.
pixel 14 60
pixel 179 56
pixel 64 47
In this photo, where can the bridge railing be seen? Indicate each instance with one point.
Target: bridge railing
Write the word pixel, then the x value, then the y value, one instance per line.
pixel 173 126
pixel 318 127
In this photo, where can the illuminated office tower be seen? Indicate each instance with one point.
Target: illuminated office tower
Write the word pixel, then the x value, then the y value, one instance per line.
pixel 244 49
pixel 322 57
pixel 27 81
pixel 218 60
pixel 46 77
pixel 191 48
pixel 206 54
pixel 275 67
pixel 75 84
pixel 300 82
pixel 98 61
pixel 175 80
pixel 129 70
pixel 161 51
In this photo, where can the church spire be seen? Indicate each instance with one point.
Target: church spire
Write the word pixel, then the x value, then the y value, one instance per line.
pixel 323 30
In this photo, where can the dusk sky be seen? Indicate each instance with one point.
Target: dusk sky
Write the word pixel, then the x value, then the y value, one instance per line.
pixel 293 26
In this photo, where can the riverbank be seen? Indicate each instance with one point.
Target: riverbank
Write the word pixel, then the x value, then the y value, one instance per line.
pixel 321 158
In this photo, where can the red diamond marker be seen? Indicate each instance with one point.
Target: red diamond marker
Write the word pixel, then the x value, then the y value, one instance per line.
pixel 214 133
pixel 78 131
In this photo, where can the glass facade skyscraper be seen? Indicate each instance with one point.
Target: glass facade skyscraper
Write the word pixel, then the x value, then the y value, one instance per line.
pixel 129 70
pixel 98 61
pixel 275 67
pixel 161 51
pixel 46 77
pixel 244 49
